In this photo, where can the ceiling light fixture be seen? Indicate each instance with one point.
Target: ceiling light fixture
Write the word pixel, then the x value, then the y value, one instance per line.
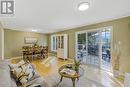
pixel 34 30
pixel 83 6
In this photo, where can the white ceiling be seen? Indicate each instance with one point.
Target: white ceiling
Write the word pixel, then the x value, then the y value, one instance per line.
pixel 49 16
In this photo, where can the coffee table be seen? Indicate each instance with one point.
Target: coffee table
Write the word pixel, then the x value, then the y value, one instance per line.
pixel 72 77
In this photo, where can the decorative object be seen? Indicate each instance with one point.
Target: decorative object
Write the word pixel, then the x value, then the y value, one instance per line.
pixel 116 59
pixel 35 44
pixel 30 40
pixel 77 64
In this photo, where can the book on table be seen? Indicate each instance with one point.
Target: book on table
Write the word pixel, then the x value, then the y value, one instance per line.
pixel 68 71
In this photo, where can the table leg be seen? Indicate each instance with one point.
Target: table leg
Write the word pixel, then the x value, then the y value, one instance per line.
pixel 61 79
pixel 77 79
pixel 73 81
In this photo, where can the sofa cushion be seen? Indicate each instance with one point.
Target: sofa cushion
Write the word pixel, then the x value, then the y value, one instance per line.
pixel 5 79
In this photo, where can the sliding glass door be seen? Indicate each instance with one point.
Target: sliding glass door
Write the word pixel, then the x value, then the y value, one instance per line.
pixel 106 49
pixel 94 47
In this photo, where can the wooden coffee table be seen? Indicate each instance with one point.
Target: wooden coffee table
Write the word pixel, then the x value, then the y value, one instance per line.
pixel 72 77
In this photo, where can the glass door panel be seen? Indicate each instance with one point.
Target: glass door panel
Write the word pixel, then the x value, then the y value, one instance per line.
pixel 56 43
pixel 106 49
pixel 62 42
pixel 93 39
pixel 81 47
pixel 59 42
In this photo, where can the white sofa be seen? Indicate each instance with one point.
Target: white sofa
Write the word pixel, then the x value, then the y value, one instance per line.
pixel 7 81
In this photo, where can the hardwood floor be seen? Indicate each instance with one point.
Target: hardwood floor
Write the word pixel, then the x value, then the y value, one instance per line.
pixel 47 66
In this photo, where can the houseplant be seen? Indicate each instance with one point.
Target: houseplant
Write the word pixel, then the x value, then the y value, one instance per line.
pixel 35 44
pixel 77 64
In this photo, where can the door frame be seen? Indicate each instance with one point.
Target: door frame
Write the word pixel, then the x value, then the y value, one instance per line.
pixel 100 50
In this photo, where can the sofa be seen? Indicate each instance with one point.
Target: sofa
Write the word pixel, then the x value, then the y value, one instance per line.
pixel 6 79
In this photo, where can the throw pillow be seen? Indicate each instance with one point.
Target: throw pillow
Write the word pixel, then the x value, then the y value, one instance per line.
pixel 22 72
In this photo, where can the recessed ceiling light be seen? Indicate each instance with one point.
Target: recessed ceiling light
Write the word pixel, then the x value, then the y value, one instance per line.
pixel 34 30
pixel 83 6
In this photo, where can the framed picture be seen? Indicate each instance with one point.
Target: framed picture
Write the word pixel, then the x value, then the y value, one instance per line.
pixel 30 40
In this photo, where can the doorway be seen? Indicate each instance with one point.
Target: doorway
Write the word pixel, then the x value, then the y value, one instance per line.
pixel 93 47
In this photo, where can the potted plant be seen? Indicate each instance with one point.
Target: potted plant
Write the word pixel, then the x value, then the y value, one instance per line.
pixel 77 65
pixel 35 44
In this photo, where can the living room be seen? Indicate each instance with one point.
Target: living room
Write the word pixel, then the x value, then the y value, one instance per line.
pixel 86 45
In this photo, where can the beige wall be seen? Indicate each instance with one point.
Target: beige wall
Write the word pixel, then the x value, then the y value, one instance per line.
pixel 0 44
pixel 120 33
pixel 14 40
